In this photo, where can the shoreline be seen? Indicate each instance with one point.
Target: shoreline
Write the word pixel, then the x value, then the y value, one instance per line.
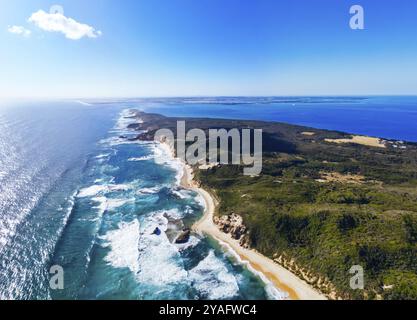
pixel 278 276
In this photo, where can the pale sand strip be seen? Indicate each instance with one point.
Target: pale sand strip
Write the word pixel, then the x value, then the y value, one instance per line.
pixel 283 279
pixel 366 141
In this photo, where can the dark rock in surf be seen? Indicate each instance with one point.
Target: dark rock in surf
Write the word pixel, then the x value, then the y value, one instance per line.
pixel 183 237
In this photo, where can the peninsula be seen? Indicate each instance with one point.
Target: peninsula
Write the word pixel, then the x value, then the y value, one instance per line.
pixel 324 202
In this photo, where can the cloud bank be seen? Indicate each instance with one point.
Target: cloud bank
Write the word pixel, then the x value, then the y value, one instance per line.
pixel 19 30
pixel 58 22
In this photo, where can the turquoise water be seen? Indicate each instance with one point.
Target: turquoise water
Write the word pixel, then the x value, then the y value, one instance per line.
pixel 74 194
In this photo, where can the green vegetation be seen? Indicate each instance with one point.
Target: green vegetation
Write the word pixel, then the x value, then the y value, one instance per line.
pixel 326 226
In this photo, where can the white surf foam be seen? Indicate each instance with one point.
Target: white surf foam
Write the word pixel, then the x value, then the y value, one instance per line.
pixel 192 242
pixel 164 156
pixel 200 200
pixel 144 158
pixel 152 190
pixel 102 189
pixel 159 260
pixel 179 194
pixel 272 292
pixel 91 191
pixel 126 117
pixel 212 279
pixel 102 205
pixel 164 215
pixel 123 244
pixel 113 204
pixel 119 187
pixel 116 141
pixel 102 156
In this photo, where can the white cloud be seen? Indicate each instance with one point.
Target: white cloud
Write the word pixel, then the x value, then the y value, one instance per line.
pixel 19 30
pixel 57 22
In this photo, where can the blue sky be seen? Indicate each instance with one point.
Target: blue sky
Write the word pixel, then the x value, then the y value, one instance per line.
pixel 208 47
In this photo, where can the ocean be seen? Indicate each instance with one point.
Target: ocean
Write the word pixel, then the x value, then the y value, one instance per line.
pixel 386 117
pixel 73 193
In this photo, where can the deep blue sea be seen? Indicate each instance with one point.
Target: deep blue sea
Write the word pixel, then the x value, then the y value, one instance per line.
pixel 386 117
pixel 74 194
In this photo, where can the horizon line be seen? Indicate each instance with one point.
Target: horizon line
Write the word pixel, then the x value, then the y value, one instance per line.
pixel 208 96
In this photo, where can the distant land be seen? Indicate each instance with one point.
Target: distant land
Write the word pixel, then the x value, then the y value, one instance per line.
pixel 325 201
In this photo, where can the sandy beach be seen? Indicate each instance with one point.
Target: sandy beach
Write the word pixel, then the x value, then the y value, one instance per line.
pixel 282 279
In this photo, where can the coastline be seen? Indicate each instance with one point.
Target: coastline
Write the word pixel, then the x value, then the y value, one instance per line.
pixel 281 278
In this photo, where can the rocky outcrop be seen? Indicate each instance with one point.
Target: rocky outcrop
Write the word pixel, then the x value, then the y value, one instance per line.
pixel 233 225
pixel 183 237
pixel 146 136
